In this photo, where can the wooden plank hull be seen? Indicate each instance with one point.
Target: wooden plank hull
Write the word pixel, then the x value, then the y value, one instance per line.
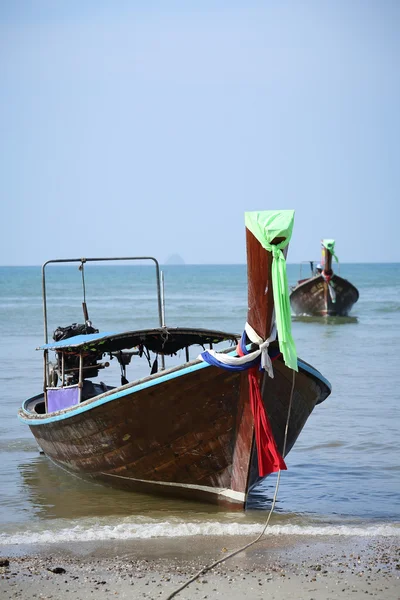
pixel 312 297
pixel 185 433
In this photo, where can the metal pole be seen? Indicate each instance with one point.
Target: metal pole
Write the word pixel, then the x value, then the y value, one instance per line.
pixel 45 379
pixel 45 353
pixel 162 296
pixel 162 300
pixel 80 383
pixel 44 303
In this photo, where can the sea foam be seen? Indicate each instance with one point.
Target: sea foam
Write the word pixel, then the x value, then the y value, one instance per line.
pixel 165 529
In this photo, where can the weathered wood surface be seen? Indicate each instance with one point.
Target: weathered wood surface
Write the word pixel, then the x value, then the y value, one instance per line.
pixel 312 297
pixel 259 316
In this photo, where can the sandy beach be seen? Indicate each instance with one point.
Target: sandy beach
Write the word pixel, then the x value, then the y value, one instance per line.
pixel 295 567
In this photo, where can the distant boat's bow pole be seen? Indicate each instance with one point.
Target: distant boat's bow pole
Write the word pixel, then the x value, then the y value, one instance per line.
pixel 328 251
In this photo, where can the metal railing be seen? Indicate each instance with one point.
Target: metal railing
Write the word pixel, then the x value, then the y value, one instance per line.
pixel 86 260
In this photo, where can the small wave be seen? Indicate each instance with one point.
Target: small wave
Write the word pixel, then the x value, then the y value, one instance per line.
pixel 389 308
pixel 22 445
pixel 333 444
pixel 126 531
pixel 324 320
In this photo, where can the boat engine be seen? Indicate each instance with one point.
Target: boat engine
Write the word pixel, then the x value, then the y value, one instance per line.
pixel 71 360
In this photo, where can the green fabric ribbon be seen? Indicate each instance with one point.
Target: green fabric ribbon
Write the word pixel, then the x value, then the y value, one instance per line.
pixel 330 246
pixel 266 226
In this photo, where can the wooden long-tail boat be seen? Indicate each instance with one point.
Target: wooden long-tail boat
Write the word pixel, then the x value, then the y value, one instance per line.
pixel 323 293
pixel 189 430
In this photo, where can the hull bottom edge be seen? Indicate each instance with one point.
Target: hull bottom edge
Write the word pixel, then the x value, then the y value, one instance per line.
pixel 221 496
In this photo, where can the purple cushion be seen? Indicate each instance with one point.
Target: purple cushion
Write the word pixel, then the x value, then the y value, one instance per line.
pixel 60 398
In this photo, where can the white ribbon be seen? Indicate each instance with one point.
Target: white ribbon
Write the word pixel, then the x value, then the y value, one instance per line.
pixel 253 336
pixel 331 287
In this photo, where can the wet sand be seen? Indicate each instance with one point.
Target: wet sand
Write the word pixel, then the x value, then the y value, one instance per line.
pixel 277 568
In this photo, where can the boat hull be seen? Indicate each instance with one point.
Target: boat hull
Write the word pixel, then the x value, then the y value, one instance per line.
pixel 187 432
pixel 312 297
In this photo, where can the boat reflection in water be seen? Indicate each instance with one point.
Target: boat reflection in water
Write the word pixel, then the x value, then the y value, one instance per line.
pixel 325 320
pixel 52 493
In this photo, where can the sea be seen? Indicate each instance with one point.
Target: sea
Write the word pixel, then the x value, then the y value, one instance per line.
pixel 343 474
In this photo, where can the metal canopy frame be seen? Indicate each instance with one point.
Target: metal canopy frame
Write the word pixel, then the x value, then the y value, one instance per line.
pixel 315 262
pixel 82 261
pixel 306 262
pixel 86 260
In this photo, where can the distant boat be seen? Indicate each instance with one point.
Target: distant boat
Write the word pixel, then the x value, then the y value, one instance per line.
pixel 203 430
pixel 323 293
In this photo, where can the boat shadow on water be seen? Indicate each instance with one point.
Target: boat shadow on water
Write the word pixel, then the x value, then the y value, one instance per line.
pixel 326 320
pixel 53 494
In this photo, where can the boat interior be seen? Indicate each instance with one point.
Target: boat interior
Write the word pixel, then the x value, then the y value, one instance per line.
pixel 79 357
pixel 81 351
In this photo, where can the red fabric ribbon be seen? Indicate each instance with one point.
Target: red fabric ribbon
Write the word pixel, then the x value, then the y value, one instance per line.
pixel 326 277
pixel 269 457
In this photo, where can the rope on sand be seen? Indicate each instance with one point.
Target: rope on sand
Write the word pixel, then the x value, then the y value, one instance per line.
pixel 235 552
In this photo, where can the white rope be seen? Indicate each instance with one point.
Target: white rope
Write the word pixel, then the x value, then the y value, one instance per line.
pixel 235 552
pixel 253 336
pixel 331 287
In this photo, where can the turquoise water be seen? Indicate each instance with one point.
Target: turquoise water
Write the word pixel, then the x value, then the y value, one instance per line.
pixel 343 473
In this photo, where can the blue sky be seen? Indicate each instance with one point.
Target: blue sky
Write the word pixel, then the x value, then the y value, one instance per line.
pixel 150 127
